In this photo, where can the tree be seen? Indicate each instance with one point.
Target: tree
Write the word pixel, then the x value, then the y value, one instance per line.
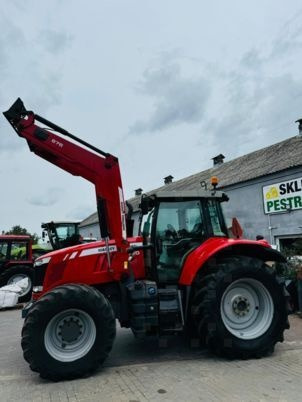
pixel 19 230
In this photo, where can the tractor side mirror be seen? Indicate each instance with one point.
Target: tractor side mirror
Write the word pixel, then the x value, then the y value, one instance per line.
pixel 236 229
pixel 43 234
pixel 147 203
pixel 144 205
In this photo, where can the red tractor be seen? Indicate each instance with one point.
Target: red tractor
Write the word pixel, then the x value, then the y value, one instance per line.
pixel 182 273
pixel 16 262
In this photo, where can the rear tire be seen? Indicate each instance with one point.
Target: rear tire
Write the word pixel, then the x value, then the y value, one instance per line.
pixel 15 273
pixel 69 332
pixel 240 310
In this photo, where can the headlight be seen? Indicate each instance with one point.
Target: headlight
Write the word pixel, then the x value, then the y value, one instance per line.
pixel 37 289
pixel 42 261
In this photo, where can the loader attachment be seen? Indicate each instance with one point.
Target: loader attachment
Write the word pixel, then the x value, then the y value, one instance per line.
pixel 98 167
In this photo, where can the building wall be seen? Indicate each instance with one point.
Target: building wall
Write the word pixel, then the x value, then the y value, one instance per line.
pixel 246 204
pixel 90 231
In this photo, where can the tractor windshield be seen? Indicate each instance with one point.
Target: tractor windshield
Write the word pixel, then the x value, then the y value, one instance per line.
pixel 19 250
pixel 62 234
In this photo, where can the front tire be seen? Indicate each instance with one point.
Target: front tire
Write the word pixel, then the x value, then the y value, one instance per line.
pixel 240 310
pixel 69 332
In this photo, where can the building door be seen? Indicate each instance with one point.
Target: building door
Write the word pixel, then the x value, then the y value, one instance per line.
pixel 290 246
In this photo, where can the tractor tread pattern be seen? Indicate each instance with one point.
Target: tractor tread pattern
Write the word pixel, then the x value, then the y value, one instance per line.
pixel 204 308
pixel 74 295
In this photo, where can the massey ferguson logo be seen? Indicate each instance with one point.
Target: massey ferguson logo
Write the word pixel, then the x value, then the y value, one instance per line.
pixel 57 143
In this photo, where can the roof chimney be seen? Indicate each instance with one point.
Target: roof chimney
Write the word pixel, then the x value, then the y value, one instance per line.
pixel 299 126
pixel 168 179
pixel 218 160
pixel 138 192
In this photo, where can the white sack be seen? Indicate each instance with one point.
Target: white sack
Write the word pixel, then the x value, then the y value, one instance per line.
pixel 11 288
pixel 17 287
pixel 23 284
pixel 8 298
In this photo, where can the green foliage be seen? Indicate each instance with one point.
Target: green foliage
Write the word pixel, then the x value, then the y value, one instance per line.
pixel 292 250
pixel 19 230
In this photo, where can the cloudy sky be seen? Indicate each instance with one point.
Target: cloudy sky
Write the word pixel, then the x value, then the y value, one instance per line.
pixel 165 85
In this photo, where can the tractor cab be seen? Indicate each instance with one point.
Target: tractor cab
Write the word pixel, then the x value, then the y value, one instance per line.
pixel 15 248
pixel 173 224
pixel 61 234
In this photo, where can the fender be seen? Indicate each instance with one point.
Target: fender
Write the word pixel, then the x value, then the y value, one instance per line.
pixel 215 247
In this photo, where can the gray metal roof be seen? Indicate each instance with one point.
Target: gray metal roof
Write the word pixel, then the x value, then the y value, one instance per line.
pixel 90 220
pixel 272 159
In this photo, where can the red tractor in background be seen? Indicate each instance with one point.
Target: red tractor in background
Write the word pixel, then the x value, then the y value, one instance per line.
pixel 16 262
pixel 17 253
pixel 181 274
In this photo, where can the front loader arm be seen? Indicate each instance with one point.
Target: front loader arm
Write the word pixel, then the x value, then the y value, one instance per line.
pixel 100 168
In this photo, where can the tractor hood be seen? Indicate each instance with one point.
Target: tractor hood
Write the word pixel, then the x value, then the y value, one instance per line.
pixel 73 249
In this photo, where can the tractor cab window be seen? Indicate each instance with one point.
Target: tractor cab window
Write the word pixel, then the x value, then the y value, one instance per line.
pixel 216 218
pixel 3 251
pixel 65 231
pixel 179 229
pixel 146 225
pixel 64 235
pixel 19 250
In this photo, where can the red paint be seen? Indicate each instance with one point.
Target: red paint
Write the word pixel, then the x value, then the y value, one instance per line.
pixel 205 251
pixel 103 172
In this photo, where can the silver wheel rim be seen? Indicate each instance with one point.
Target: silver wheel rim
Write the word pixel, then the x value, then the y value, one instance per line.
pixel 70 335
pixel 247 308
pixel 13 280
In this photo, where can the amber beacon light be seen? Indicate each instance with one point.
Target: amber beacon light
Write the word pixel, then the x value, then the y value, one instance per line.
pixel 214 181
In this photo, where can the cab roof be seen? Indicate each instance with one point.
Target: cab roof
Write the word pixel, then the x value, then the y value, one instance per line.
pixel 189 194
pixel 14 237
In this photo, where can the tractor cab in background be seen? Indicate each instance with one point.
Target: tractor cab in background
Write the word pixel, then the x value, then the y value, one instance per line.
pixel 61 234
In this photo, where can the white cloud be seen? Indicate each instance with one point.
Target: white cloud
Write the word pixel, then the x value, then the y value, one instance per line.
pixel 50 197
pixel 177 99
